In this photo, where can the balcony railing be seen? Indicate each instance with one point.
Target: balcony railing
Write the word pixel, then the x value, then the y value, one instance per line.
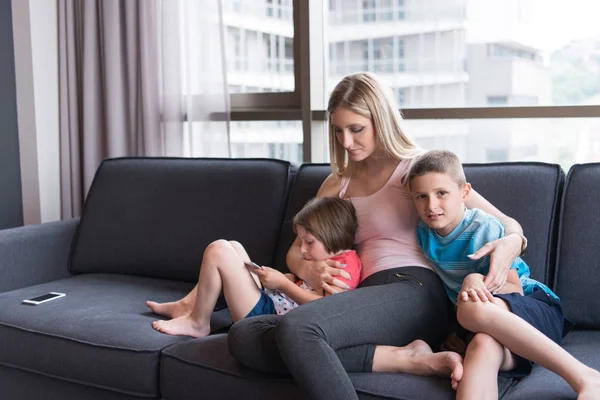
pixel 247 8
pixel 417 12
pixel 261 66
pixel 420 65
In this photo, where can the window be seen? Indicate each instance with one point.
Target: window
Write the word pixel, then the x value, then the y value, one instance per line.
pixel 497 100
pixel 516 58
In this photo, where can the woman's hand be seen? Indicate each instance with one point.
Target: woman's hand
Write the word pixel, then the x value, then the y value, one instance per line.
pixel 322 274
pixel 502 253
pixel 271 278
pixel 473 289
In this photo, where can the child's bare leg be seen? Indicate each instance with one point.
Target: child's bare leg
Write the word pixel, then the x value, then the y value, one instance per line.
pixel 484 358
pixel 177 308
pixel 222 269
pixel 185 305
pixel 523 339
pixel 417 358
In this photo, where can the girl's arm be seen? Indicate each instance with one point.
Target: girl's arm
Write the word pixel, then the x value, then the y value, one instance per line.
pixel 315 273
pixel 502 251
pixel 298 294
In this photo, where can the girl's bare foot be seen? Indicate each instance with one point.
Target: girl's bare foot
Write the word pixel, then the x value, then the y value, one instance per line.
pixel 419 359
pixel 183 325
pixel 171 310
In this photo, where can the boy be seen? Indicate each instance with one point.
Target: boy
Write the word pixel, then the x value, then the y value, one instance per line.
pixel 522 321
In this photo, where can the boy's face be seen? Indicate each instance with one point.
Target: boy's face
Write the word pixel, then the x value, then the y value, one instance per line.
pixel 311 248
pixel 439 200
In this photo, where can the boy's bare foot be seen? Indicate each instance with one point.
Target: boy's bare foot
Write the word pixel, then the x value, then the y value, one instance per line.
pixel 419 359
pixel 171 310
pixel 183 325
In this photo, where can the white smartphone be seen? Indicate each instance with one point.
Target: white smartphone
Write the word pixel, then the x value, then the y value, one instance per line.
pixel 43 298
pixel 252 264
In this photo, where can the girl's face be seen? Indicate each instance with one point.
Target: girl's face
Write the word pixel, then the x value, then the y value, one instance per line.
pixel 312 248
pixel 354 132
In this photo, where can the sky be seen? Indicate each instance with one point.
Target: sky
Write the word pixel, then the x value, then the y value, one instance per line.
pixel 558 22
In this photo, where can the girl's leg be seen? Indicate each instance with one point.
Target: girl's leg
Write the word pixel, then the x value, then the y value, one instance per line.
pixel 484 358
pixel 222 269
pixel 177 308
pixel 392 314
pixel 185 305
pixel 521 338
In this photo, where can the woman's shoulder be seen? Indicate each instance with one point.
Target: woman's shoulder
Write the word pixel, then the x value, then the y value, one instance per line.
pixel 330 186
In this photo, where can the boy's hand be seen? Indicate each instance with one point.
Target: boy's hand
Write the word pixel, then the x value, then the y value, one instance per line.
pixel 271 278
pixel 474 289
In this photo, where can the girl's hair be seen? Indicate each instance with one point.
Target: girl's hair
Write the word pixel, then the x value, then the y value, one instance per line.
pixel 441 161
pixel 362 93
pixel 331 220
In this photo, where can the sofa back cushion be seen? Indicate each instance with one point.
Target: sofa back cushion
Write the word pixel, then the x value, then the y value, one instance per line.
pixel 306 184
pixel 528 192
pixel 578 264
pixel 155 216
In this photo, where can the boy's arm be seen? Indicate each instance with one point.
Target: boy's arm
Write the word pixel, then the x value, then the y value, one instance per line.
pixel 513 283
pixel 298 294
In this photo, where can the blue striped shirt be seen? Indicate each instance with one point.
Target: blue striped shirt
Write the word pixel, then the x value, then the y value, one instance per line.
pixel 448 254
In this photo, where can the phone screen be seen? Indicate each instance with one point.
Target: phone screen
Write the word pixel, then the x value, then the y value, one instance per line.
pixel 45 297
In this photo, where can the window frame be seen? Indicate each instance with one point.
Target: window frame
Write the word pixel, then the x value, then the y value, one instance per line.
pixel 306 102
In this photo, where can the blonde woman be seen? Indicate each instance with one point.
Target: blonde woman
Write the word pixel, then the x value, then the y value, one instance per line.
pixel 400 299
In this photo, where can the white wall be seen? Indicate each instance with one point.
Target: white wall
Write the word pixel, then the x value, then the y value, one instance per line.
pixel 36 64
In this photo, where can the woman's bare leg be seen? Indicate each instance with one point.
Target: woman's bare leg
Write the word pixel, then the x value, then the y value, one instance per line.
pixel 417 358
pixel 222 269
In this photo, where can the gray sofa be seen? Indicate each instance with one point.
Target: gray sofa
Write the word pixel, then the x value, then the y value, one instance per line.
pixel 145 225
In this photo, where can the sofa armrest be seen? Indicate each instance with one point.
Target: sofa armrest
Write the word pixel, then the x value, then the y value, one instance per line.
pixel 35 254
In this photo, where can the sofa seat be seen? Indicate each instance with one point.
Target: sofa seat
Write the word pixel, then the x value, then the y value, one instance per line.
pixel 99 334
pixel 543 384
pixel 205 366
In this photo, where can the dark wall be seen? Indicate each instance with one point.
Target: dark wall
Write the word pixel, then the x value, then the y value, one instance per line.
pixel 11 206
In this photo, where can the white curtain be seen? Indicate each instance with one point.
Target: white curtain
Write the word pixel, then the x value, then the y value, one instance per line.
pixel 196 101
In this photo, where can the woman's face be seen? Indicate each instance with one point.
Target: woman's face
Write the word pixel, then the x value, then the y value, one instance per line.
pixel 354 132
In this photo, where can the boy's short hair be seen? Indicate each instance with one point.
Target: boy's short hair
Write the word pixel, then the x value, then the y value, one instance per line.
pixel 331 220
pixel 441 161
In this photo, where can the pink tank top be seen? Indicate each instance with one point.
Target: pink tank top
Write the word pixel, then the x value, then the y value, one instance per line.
pixel 387 226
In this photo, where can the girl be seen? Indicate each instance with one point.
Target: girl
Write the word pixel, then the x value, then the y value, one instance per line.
pixel 326 227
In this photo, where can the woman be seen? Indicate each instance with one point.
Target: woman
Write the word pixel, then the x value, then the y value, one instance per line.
pixel 400 298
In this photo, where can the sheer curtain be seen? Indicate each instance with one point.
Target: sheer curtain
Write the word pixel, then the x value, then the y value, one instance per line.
pixel 194 76
pixel 138 78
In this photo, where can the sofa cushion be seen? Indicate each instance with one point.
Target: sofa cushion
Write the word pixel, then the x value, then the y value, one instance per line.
pixel 99 334
pixel 204 368
pixel 578 266
pixel 543 384
pixel 529 192
pixel 155 216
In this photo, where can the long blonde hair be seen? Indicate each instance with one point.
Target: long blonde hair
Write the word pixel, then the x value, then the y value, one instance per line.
pixel 362 93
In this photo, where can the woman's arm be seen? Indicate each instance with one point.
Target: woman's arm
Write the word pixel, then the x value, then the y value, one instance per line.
pixel 502 251
pixel 513 283
pixel 318 274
